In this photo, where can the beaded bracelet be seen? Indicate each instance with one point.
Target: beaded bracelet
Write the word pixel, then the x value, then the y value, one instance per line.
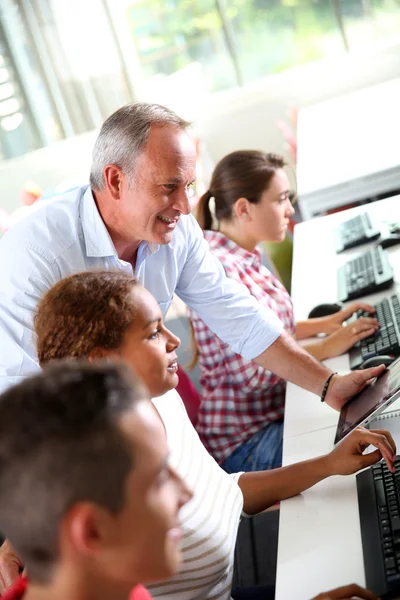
pixel 327 382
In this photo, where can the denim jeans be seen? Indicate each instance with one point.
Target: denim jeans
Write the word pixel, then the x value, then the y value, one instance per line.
pixel 261 452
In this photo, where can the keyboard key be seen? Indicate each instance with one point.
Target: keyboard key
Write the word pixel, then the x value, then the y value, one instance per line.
pixel 388 545
pixel 380 493
pixel 395 523
pixel 386 530
pixel 390 563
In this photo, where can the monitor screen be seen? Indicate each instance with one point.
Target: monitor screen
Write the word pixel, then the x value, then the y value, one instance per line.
pixel 373 398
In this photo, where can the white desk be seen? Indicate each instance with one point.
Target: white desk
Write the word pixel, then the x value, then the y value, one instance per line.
pixel 348 148
pixel 314 282
pixel 319 533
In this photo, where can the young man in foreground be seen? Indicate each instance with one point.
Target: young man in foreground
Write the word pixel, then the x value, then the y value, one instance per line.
pixel 86 493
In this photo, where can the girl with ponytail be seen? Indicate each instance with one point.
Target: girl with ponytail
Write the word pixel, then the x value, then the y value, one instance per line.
pixel 241 415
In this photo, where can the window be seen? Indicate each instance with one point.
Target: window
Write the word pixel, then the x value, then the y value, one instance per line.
pixel 171 34
pixel 60 75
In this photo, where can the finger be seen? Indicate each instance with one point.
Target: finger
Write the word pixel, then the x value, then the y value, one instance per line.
pixel 363 324
pixel 365 307
pixel 367 460
pixel 388 436
pixel 9 574
pixel 362 334
pixel 351 591
pixel 354 307
pixel 367 321
pixel 367 375
pixel 381 442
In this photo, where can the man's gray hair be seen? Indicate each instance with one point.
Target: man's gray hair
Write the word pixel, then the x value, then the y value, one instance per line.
pixel 123 136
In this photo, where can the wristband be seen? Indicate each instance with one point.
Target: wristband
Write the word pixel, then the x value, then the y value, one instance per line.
pixel 325 390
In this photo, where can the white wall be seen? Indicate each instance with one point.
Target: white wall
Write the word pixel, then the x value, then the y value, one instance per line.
pixel 247 118
pixel 67 162
pixel 240 118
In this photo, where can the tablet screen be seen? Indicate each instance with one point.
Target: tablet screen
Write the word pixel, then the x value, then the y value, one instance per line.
pixel 372 398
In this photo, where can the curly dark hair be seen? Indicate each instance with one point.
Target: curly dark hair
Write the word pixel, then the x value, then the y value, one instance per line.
pixel 82 312
pixel 61 443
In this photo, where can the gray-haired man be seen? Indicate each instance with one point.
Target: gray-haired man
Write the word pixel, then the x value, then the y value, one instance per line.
pixel 135 216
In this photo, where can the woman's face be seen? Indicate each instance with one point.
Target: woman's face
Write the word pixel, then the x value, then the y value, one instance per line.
pixel 149 347
pixel 269 219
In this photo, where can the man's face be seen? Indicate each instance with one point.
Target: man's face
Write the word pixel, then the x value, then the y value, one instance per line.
pixel 154 197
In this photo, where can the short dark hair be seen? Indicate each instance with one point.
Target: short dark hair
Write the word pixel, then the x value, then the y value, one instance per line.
pixel 82 312
pixel 240 174
pixel 61 443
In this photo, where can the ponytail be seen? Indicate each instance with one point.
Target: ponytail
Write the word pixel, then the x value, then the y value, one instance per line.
pixel 203 211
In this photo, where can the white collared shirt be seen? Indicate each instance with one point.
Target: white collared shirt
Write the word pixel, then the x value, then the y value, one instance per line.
pixel 67 235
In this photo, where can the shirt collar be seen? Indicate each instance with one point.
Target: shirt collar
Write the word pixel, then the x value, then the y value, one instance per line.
pixel 223 245
pixel 97 238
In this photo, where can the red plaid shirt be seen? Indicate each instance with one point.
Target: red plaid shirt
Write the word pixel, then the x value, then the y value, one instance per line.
pixel 238 396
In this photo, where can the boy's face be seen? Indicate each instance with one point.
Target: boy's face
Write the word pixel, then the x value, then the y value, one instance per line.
pixel 141 543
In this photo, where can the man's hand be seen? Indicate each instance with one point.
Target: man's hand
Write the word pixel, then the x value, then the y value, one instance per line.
pixel 348 457
pixel 344 387
pixel 10 566
pixel 347 592
pixel 335 321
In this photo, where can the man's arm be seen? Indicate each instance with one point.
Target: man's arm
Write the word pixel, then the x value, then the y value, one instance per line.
pixel 264 488
pixel 291 362
pixel 255 333
pixel 26 276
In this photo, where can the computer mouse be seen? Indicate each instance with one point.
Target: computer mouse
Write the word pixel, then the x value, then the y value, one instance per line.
pixel 390 240
pixel 323 310
pixel 375 361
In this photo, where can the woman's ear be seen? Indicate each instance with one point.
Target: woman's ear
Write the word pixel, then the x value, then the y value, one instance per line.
pixel 241 208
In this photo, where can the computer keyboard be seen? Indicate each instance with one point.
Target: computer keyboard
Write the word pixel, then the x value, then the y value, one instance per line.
pixel 367 273
pixel 386 340
pixel 379 509
pixel 356 231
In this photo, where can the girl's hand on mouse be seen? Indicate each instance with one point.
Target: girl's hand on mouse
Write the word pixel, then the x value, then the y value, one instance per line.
pixel 335 321
pixel 346 336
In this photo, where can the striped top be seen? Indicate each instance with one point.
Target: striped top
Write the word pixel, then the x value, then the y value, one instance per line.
pixel 209 520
